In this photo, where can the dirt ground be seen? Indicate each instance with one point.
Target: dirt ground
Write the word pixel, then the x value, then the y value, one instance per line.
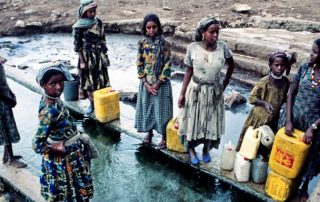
pixel 188 11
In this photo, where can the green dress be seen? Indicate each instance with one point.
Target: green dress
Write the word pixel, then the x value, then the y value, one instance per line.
pixel 258 116
pixel 92 42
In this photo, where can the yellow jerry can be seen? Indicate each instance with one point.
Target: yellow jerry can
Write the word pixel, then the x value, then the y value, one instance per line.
pixel 106 104
pixel 288 153
pixel 250 143
pixel 279 188
pixel 174 141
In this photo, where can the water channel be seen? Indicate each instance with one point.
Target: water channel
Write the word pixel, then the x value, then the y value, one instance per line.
pixel 125 171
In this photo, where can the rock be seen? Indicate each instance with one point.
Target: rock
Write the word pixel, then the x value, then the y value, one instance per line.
pixel 167 8
pixel 233 99
pixel 12 18
pixel 241 8
pixel 28 12
pixel 128 95
pixel 128 13
pixel 34 24
pixel 20 23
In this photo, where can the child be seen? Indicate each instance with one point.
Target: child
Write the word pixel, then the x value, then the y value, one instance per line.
pixel 303 113
pixel 201 96
pixel 267 96
pixel 154 107
pixel 90 44
pixel 8 130
pixel 65 164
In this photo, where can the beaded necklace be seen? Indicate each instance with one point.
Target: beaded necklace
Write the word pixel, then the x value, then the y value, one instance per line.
pixel 314 83
pixel 52 98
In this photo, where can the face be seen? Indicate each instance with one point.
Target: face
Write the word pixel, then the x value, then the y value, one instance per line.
pixel 91 13
pixel 54 86
pixel 278 66
pixel 211 34
pixel 314 55
pixel 151 29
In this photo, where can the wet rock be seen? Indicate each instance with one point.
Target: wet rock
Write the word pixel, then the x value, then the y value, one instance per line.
pixel 241 8
pixel 20 24
pixel 234 98
pixel 128 95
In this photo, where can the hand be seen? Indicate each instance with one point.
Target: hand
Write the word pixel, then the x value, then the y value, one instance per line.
pixel 83 65
pixel 156 86
pixel 268 107
pixel 150 89
pixel 308 136
pixel 181 101
pixel 288 128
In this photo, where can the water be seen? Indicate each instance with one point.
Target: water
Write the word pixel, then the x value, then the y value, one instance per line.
pixel 125 171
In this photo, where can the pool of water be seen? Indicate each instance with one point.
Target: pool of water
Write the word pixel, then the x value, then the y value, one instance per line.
pixel 125 171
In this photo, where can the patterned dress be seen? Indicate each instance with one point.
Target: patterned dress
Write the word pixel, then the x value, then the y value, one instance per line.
pixel 258 116
pixel 305 111
pixel 8 129
pixel 92 42
pixel 203 116
pixel 63 178
pixel 154 62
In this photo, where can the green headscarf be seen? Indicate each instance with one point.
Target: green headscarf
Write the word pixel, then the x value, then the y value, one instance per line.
pixel 85 22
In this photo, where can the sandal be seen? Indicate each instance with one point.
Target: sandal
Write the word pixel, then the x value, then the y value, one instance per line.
pixel 162 145
pixel 206 157
pixel 194 161
pixel 148 138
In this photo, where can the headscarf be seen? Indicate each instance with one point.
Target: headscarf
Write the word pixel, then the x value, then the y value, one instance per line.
pixel 53 66
pixel 85 5
pixel 203 25
pixel 156 44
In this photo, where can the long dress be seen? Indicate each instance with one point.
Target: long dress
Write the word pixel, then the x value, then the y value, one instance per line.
pixel 258 116
pixel 63 178
pixel 8 129
pixel 203 116
pixel 305 111
pixel 154 63
pixel 92 42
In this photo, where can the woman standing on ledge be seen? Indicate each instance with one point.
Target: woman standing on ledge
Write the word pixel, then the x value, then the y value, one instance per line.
pixel 201 97
pixel 90 44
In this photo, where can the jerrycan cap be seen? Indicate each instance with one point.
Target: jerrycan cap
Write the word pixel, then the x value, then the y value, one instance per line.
pixel 176 125
pixel 111 90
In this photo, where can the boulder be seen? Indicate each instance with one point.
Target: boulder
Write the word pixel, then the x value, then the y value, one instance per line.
pixel 20 24
pixel 241 8
pixel 234 98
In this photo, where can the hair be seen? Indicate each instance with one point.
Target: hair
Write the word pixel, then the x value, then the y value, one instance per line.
pixel 289 59
pixel 151 17
pixel 49 74
pixel 317 42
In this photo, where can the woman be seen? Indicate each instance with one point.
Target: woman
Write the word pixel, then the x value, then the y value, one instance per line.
pixel 90 44
pixel 303 113
pixel 201 97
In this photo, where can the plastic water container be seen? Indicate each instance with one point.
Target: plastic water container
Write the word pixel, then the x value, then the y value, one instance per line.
pixel 250 143
pixel 267 136
pixel 228 157
pixel 174 141
pixel 279 188
pixel 106 104
pixel 259 170
pixel 288 153
pixel 71 90
pixel 242 167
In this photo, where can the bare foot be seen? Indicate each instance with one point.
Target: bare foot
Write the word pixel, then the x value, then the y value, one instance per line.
pixel 17 164
pixel 5 158
pixel 148 138
pixel 162 144
pixel 304 196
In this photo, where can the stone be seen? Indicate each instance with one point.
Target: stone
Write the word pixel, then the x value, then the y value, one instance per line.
pixel 20 23
pixel 167 8
pixel 234 98
pixel 34 24
pixel 29 12
pixel 241 8
pixel 128 95
pixel 128 13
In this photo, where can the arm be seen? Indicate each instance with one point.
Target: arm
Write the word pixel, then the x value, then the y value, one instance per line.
pixel 256 97
pixel 226 80
pixel 308 136
pixel 78 47
pixel 186 80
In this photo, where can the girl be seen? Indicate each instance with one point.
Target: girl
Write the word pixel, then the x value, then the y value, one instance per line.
pixel 65 164
pixel 201 96
pixel 303 113
pixel 90 44
pixel 267 96
pixel 8 130
pixel 154 104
